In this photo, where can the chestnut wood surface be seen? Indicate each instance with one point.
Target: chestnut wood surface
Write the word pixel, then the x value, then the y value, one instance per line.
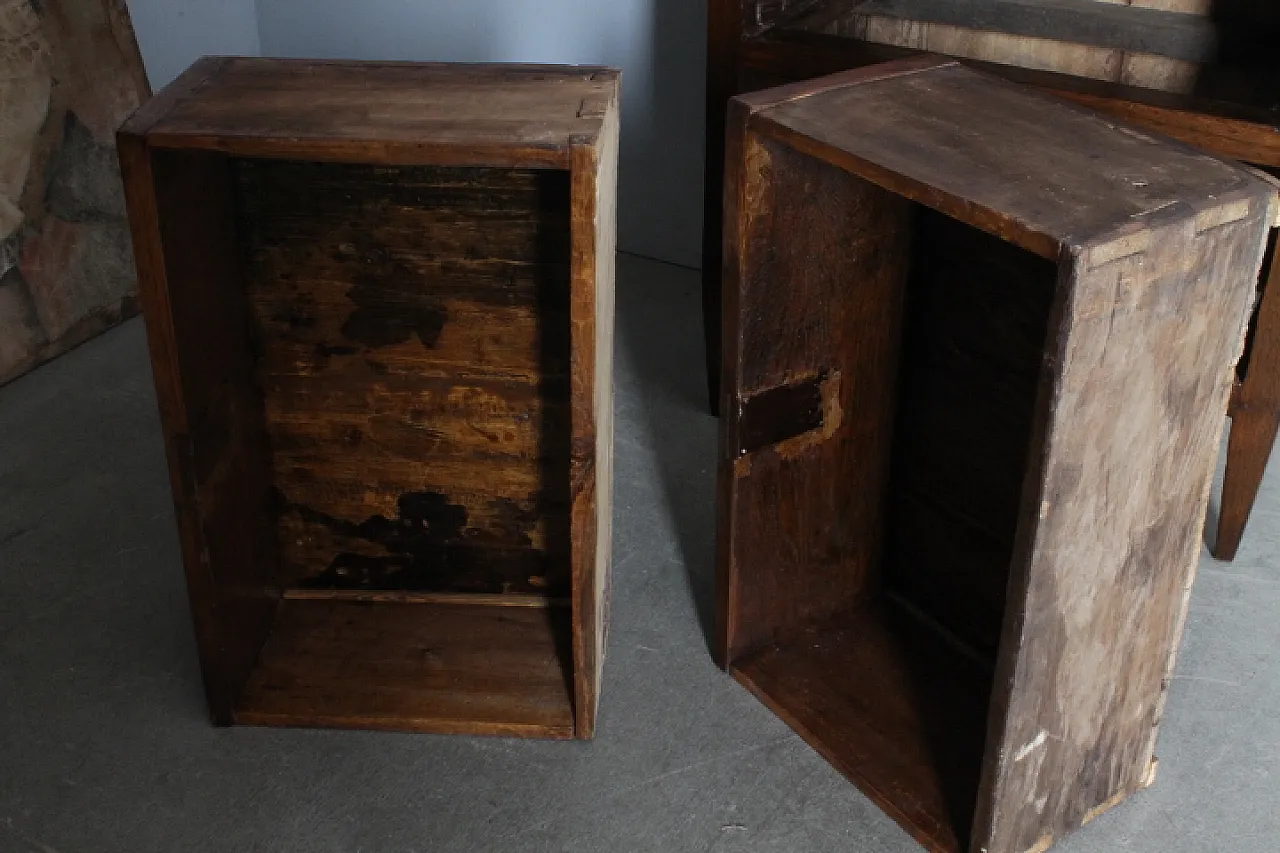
pixel 428 422
pixel 445 668
pixel 1021 321
pixel 384 112
pixel 379 300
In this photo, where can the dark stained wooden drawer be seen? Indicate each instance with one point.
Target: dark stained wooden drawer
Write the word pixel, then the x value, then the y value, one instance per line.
pixel 379 298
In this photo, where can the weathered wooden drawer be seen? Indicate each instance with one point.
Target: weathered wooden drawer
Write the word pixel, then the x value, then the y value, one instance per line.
pixel 978 345
pixel 379 299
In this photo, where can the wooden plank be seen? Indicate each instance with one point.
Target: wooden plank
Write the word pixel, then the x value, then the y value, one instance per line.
pixel 1123 27
pixel 441 668
pixel 891 707
pixel 389 112
pixel 1222 128
pixel 1050 52
pixel 594 180
pixel 371 289
pixel 797 544
pixel 1100 63
pixel 993 176
pixel 1113 504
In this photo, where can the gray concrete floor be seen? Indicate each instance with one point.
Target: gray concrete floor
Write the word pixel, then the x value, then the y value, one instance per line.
pixel 105 746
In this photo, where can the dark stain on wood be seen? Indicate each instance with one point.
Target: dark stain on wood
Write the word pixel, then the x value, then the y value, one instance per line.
pixel 372 325
pixel 405 314
pixel 386 311
pixel 429 548
pixel 787 411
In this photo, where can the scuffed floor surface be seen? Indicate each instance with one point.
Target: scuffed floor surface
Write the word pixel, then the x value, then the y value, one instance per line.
pixel 105 746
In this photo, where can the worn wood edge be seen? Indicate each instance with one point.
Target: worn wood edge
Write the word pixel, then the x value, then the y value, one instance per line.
pixel 462 68
pixel 1223 128
pixel 139 185
pixel 157 107
pixel 778 95
pixel 1135 236
pixel 594 160
pixel 1225 394
pixel 411 597
pixel 1026 541
pixel 818 744
pixel 1137 29
pixel 984 219
pixel 584 170
pixel 733 242
pixel 371 151
pixel 609 147
pixel 1273 182
pixel 419 725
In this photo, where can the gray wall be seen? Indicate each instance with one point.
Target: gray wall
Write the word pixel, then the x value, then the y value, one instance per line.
pixel 174 33
pixel 659 44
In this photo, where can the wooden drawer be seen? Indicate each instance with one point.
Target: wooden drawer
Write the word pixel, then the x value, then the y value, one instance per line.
pixel 379 298
pixel 978 345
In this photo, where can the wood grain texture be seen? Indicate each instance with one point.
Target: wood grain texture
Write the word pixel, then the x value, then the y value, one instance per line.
pixel 447 669
pixel 389 112
pixel 594 213
pixel 796 544
pixel 1050 375
pixel 1221 127
pixel 1114 505
pixel 899 712
pixel 384 372
pixel 413 332
pixel 1119 26
pixel 991 176
pixel 1114 42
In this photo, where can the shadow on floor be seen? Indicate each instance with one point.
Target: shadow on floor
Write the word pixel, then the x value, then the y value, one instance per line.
pixel 660 340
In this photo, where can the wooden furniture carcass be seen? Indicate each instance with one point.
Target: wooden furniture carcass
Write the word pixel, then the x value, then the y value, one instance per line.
pixel 978 344
pixel 1233 112
pixel 379 301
